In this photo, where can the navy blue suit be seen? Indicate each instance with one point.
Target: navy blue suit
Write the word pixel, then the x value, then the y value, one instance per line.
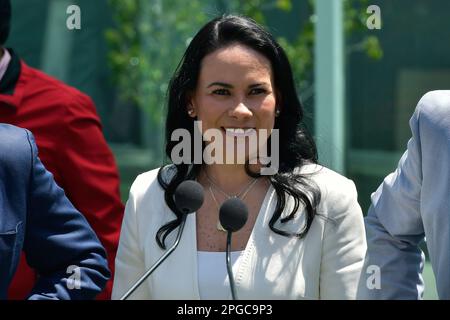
pixel 36 217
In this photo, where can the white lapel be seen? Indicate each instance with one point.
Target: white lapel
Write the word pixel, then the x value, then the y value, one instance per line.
pixel 245 269
pixel 177 276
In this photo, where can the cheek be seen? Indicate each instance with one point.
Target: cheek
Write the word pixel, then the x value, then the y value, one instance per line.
pixel 209 111
pixel 267 112
pixel 269 104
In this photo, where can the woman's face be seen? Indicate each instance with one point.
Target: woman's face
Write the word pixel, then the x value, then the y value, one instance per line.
pixel 235 93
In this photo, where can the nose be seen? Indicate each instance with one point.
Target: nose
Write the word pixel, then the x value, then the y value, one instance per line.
pixel 240 112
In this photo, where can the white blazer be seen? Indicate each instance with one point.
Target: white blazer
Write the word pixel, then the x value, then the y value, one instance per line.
pixel 326 264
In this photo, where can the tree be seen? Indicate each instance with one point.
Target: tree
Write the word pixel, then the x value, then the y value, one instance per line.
pixel 150 37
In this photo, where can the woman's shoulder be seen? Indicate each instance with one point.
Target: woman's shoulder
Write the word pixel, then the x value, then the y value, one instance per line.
pixel 336 191
pixel 147 183
pixel 145 180
pixel 324 176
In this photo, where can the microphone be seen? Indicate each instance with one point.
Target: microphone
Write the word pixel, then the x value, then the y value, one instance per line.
pixel 233 215
pixel 188 198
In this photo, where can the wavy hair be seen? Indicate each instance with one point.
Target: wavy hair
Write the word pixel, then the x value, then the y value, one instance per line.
pixel 297 149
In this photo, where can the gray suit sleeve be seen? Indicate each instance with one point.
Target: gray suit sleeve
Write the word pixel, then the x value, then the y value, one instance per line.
pixel 394 228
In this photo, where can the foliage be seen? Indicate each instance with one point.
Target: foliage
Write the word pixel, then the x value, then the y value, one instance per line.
pixel 150 37
pixel 301 50
pixel 146 46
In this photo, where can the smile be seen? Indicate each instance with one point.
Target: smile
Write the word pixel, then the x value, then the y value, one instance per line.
pixel 239 132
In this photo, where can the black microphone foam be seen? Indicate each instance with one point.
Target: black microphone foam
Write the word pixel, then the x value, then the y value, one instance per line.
pixel 188 196
pixel 233 214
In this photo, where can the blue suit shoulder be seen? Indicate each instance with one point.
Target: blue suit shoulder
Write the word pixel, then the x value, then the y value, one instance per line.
pixel 15 171
pixel 37 217
pixel 15 146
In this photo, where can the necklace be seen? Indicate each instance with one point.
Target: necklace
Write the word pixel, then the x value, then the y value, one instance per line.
pixel 240 195
pixel 218 224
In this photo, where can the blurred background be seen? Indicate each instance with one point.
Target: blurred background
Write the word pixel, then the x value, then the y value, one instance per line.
pixel 358 78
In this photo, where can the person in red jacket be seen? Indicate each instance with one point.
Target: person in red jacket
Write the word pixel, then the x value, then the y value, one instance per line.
pixel 69 135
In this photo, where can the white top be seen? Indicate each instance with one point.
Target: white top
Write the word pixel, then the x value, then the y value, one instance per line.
pixel 213 280
pixel 326 264
pixel 4 62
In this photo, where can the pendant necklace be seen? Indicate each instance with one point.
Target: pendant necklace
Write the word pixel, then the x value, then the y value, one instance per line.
pixel 241 195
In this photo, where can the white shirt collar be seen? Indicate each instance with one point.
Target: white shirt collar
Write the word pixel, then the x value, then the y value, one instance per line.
pixel 4 63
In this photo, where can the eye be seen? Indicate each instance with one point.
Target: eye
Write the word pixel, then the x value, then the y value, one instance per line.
pixel 256 91
pixel 222 92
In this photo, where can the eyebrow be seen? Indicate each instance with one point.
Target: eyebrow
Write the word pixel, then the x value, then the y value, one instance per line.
pixel 227 85
pixel 220 84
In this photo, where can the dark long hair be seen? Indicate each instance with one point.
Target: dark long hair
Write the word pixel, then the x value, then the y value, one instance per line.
pixel 297 149
pixel 5 20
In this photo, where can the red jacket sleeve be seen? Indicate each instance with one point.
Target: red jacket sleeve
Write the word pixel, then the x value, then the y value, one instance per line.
pixel 89 175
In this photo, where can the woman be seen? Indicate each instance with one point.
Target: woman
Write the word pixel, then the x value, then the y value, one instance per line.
pixel 304 237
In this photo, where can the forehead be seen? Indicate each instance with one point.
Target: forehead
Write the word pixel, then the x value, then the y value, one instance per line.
pixel 235 62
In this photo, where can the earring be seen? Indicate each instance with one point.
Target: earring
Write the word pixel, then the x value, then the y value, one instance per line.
pixel 190 112
pixel 277 112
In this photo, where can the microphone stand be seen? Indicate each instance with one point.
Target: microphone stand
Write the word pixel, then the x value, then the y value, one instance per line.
pixel 157 263
pixel 229 269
